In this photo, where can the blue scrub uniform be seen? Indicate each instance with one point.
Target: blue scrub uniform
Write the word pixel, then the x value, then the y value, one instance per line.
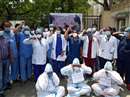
pixel 74 47
pixel 25 53
pixel 14 66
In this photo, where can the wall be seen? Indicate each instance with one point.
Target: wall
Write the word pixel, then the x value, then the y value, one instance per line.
pixel 107 20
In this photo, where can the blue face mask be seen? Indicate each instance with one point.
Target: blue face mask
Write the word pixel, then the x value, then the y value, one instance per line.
pixel 7 29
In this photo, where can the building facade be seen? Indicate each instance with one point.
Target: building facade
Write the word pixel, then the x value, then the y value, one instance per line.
pixel 118 16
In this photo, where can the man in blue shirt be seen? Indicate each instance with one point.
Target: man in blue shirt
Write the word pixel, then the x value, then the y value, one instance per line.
pixel 10 37
pixel 25 52
pixel 74 46
pixel 5 58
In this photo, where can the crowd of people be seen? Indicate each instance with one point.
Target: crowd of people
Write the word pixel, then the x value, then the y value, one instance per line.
pixel 52 52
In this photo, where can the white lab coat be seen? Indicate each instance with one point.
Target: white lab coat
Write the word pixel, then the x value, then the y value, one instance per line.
pixel 86 44
pixel 52 39
pixel 107 84
pixel 42 86
pixel 39 55
pixel 107 48
pixel 76 89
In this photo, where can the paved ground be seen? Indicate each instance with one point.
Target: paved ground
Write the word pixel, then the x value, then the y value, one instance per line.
pixel 28 90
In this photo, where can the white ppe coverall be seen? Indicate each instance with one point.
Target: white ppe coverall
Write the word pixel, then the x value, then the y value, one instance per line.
pixel 76 85
pixel 47 84
pixel 108 82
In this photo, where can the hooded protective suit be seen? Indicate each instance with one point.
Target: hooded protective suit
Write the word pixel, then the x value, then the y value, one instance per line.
pixel 76 83
pixel 108 82
pixel 47 84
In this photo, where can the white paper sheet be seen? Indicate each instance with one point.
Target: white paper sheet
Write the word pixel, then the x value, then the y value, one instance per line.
pixel 61 58
pixel 77 77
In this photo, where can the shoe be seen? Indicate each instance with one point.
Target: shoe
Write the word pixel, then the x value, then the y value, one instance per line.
pixel 9 86
pixel 2 95
pixel 118 96
pixel 128 86
pixel 88 94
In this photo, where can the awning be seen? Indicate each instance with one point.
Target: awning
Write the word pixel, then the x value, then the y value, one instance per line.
pixel 122 15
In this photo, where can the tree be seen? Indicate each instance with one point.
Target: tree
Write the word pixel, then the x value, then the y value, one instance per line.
pixel 80 6
pixel 39 10
pixel 107 4
pixel 34 12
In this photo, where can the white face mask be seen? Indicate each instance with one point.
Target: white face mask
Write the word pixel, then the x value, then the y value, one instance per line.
pixel 51 29
pixel 46 29
pixel 1 33
pixel 126 34
pixel 64 30
pixel 58 32
pixel 27 32
pixel 94 29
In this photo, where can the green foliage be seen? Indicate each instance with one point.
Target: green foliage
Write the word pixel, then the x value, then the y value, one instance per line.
pixel 38 11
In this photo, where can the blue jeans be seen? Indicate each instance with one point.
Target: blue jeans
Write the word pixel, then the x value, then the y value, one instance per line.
pixel 25 68
pixel 38 70
pixel 57 65
pixel 4 75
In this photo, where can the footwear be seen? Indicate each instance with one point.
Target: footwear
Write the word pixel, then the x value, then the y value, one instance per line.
pixel 118 96
pixel 128 86
pixel 2 95
pixel 88 94
pixel 9 86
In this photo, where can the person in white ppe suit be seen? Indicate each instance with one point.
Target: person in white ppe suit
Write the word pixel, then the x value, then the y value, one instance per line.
pixel 109 82
pixel 76 83
pixel 47 84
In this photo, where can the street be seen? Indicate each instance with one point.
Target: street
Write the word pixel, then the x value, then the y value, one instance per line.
pixel 28 90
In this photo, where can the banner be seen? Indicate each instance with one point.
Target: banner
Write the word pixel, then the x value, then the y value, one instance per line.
pixel 62 19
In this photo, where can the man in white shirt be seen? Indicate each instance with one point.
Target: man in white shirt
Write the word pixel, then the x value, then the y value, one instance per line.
pixel 58 51
pixel 39 56
pixel 90 47
pixel 107 47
